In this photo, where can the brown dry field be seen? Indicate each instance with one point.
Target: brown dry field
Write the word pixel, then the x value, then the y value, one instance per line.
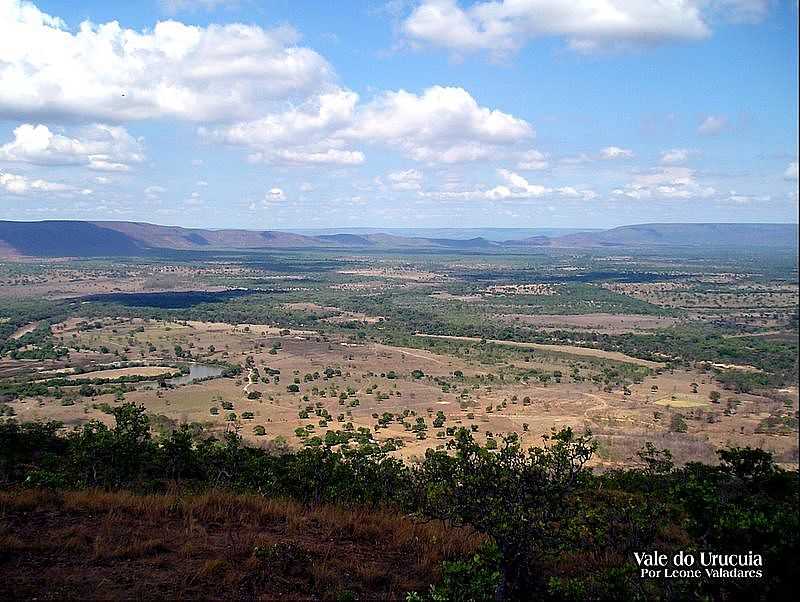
pixel 623 423
pixel 117 372
pixel 114 545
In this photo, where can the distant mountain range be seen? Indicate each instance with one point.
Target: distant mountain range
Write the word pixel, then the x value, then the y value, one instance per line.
pixel 109 239
pixel 493 234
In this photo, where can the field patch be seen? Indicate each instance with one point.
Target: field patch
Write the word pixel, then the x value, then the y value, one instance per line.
pixel 119 372
pixel 682 403
pixel 567 349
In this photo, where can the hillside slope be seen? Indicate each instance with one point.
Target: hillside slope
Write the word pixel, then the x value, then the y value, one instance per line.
pixel 61 238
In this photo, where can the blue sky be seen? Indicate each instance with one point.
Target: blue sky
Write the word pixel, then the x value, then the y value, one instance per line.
pixel 279 114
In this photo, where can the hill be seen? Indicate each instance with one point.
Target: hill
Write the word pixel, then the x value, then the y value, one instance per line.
pixel 686 235
pixel 114 239
pixel 65 238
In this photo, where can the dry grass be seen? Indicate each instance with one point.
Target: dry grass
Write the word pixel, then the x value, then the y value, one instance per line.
pixel 621 448
pixel 682 403
pixel 97 544
pixel 117 372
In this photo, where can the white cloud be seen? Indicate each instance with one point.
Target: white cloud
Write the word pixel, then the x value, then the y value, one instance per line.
pixel 503 26
pixel 515 187
pixel 791 172
pixel 410 179
pixel 675 156
pixel 712 125
pixel 571 192
pixel 315 118
pixel 302 134
pixel 520 185
pixel 615 152
pixel 306 187
pixel 441 125
pixel 202 183
pixel 98 147
pixel 330 156
pixel 444 125
pixel 745 199
pixel 21 185
pixel 272 196
pixel 533 160
pixel 666 183
pixel 104 72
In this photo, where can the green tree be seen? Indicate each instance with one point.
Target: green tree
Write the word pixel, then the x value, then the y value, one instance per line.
pixel 518 498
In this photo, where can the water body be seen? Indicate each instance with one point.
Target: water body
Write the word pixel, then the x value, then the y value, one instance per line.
pixel 197 371
pixel 172 299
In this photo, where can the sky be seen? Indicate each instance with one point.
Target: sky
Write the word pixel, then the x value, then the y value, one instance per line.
pixel 280 114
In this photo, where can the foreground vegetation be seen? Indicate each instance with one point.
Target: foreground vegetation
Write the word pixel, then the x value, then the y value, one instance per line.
pixel 508 523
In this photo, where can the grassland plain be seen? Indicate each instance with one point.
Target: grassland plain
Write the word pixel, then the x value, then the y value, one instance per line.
pixel 335 352
pixel 412 347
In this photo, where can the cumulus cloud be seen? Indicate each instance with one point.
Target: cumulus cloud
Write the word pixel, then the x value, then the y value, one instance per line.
pixel 234 80
pixel 98 147
pixel 666 183
pixel 712 125
pixel 791 172
pixel 675 156
pixel 320 115
pixel 301 134
pixel 615 152
pixel 441 125
pixel 104 72
pixel 22 185
pixel 503 26
pixel 272 196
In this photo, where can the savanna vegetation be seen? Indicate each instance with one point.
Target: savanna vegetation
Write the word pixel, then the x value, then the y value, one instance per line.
pixel 513 523
pixel 334 449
